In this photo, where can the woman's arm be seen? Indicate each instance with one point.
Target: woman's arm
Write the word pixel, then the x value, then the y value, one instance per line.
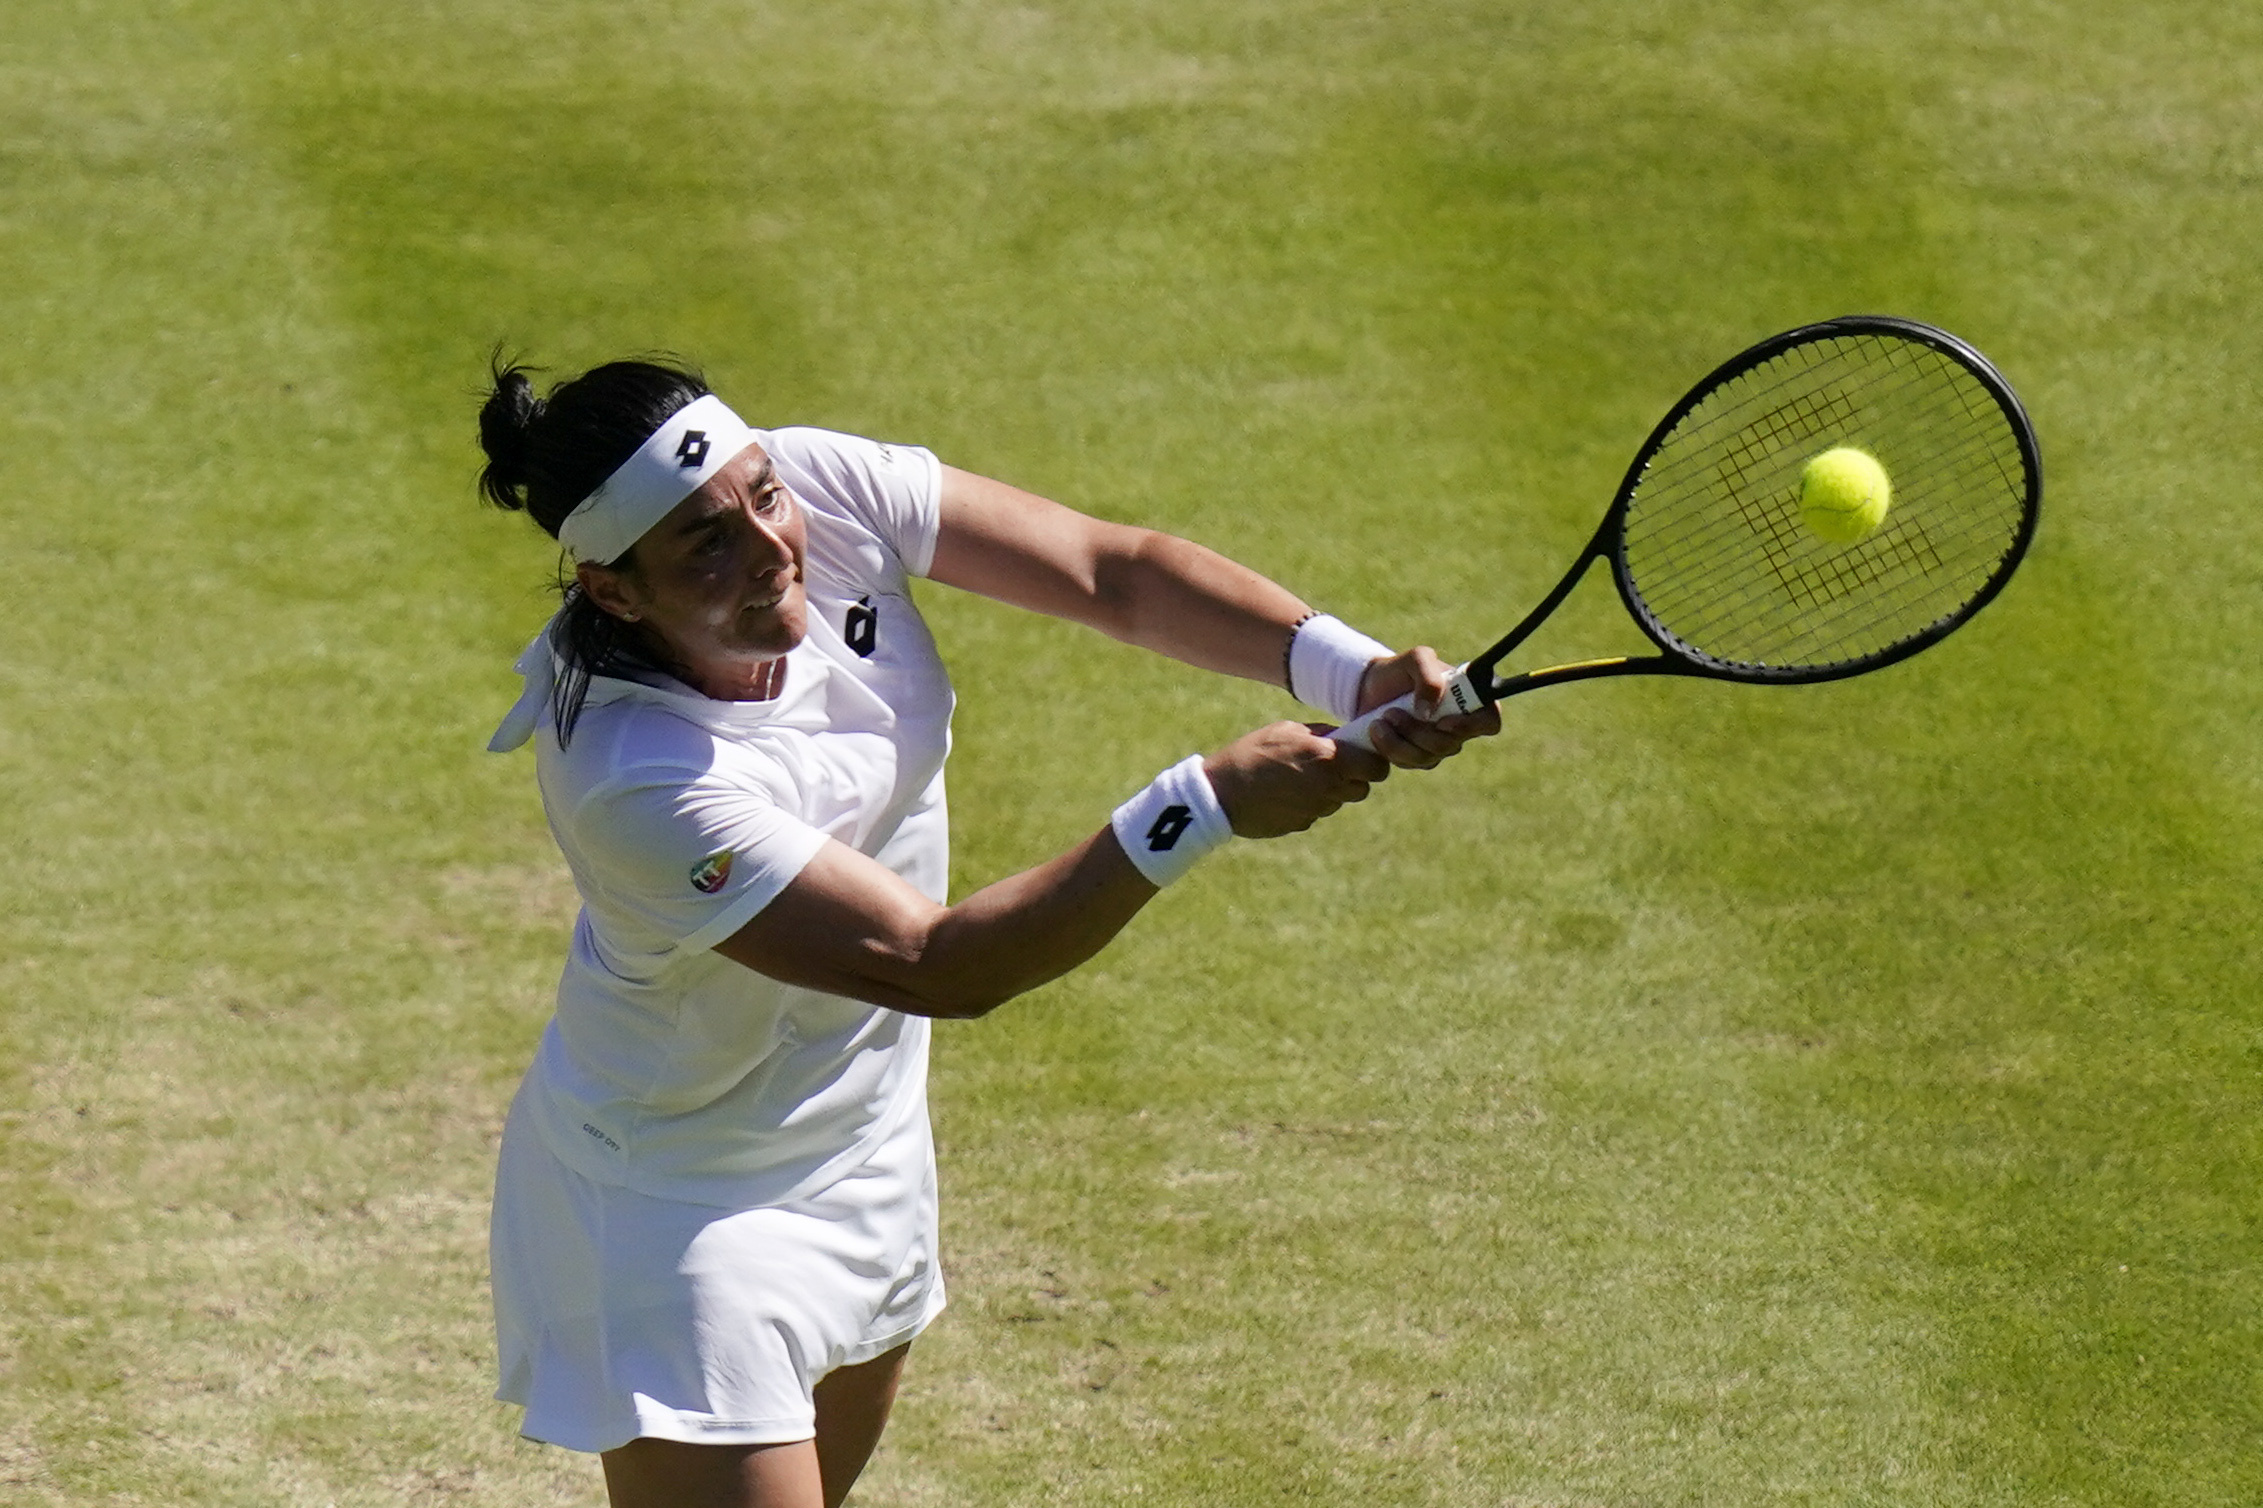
pixel 1145 588
pixel 848 925
pixel 1168 595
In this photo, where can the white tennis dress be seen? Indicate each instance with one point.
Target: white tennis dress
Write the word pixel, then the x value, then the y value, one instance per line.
pixel 715 1188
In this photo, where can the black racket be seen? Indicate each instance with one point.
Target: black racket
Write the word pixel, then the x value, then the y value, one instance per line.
pixel 1711 553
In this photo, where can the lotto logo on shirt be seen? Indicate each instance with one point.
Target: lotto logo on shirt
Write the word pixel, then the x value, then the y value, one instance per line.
pixel 861 629
pixel 711 873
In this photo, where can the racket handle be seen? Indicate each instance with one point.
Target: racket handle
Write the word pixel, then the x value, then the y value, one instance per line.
pixel 1355 731
pixel 1461 696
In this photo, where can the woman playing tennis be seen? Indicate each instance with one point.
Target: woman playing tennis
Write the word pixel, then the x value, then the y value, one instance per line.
pixel 714 1233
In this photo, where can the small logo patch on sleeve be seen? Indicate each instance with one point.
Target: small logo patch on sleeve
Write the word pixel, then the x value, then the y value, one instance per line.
pixel 711 873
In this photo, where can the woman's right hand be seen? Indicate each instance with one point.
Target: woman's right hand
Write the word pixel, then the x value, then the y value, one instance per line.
pixel 1285 777
pixel 849 925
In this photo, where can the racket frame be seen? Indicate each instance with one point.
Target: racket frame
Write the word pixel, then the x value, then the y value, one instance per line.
pixel 1478 683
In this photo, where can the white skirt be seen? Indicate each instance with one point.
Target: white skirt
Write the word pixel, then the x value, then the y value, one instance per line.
pixel 620 1315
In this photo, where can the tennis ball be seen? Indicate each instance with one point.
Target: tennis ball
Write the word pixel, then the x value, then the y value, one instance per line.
pixel 1843 495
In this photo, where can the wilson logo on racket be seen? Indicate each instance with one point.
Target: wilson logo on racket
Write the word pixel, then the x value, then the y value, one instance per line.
pixel 1170 825
pixel 711 873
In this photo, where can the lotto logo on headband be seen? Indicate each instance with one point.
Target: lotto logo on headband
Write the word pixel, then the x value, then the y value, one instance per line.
pixel 675 461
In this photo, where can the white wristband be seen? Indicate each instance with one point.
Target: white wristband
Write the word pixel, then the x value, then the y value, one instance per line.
pixel 1172 823
pixel 1327 658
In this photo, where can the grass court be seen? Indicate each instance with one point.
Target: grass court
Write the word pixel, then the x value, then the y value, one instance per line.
pixel 1700 1096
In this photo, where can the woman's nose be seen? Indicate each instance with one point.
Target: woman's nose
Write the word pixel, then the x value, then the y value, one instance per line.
pixel 771 549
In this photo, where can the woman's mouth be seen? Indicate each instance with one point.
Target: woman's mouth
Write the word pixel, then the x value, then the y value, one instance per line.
pixel 763 604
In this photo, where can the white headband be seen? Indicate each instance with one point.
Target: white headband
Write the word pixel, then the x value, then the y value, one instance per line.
pixel 698 440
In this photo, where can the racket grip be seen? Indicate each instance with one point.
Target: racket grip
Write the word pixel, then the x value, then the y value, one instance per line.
pixel 1355 731
pixel 1461 696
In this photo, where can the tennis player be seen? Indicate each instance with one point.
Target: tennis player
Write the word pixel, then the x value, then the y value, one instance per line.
pixel 714 1233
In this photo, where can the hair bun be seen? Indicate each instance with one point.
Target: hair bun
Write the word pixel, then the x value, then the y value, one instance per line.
pixel 546 455
pixel 506 424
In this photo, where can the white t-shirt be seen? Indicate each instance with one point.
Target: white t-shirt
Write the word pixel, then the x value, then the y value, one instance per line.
pixel 668 1068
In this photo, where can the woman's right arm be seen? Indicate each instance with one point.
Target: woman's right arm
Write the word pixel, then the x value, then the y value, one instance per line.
pixel 847 925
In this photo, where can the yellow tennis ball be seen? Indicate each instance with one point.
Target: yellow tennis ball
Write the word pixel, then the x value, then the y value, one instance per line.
pixel 1843 495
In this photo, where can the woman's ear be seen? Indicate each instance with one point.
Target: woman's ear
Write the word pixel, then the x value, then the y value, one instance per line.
pixel 618 592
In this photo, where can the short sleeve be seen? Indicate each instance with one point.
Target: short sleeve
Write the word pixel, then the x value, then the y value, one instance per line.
pixel 690 862
pixel 896 491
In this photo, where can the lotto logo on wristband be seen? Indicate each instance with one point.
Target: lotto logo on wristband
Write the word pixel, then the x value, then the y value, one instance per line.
pixel 1170 825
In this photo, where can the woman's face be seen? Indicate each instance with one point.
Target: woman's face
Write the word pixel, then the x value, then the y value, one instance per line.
pixel 719 580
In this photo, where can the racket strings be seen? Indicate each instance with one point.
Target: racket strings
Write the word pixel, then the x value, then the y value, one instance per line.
pixel 1782 525
pixel 1915 555
pixel 1838 599
pixel 1713 543
pixel 1746 439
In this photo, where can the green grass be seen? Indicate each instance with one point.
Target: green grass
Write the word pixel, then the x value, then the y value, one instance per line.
pixel 1702 1096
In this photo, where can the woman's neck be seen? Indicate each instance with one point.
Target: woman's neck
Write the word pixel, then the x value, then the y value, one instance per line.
pixel 763 681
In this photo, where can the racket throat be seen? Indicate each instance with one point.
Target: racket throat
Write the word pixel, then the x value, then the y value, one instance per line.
pixel 1468 693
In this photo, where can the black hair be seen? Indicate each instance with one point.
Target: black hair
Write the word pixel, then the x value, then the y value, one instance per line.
pixel 544 456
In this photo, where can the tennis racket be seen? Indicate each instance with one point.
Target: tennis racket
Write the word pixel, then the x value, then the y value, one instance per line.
pixel 1714 561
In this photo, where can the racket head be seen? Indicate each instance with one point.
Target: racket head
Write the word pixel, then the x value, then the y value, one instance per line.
pixel 1705 537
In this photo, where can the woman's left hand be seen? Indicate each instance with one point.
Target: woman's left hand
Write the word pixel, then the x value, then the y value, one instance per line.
pixel 1407 737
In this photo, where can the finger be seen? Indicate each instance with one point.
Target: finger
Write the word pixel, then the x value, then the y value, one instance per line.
pixel 1430 677
pixel 1436 741
pixel 1463 726
pixel 1328 753
pixel 1354 763
pixel 1407 743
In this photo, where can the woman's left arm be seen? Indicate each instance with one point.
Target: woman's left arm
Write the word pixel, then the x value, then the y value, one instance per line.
pixel 1165 594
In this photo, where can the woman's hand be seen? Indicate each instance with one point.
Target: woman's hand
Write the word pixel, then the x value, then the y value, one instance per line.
pixel 1409 738
pixel 1285 777
pixel 847 925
